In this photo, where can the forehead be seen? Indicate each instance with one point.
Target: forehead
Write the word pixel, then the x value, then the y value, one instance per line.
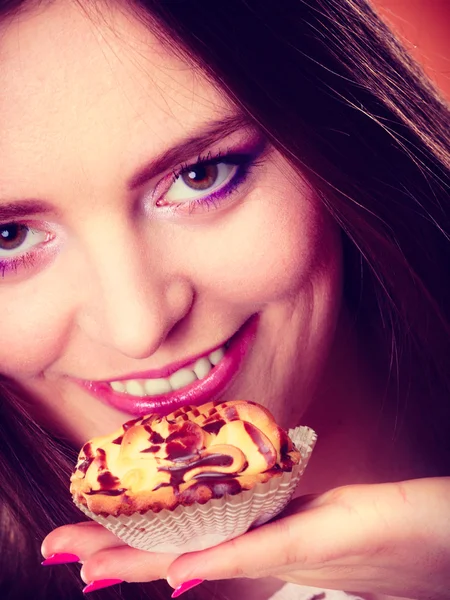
pixel 76 83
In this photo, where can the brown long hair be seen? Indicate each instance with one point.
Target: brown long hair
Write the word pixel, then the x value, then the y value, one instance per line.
pixel 337 95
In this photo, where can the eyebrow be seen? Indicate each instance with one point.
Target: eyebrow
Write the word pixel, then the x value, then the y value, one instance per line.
pixel 182 150
pixel 206 136
pixel 16 210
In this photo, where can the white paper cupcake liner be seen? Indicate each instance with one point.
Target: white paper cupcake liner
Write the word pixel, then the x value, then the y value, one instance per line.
pixel 201 526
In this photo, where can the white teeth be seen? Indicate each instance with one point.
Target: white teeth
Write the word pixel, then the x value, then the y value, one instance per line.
pixel 216 356
pixel 202 367
pixel 134 388
pixel 181 378
pixel 178 380
pixel 118 386
pixel 153 387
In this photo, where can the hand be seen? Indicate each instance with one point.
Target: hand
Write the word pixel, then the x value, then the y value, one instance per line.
pixel 391 538
pixel 104 556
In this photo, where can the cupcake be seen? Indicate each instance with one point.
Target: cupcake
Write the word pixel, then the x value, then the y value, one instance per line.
pixel 192 479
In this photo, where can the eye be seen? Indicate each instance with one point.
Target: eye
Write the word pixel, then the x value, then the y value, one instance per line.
pixel 199 180
pixel 16 239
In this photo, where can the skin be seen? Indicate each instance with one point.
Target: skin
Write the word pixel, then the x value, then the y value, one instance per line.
pixel 158 286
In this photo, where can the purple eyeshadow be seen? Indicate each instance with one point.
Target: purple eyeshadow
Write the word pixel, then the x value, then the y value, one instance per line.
pixel 244 162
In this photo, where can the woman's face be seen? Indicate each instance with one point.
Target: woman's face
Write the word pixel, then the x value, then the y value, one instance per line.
pixel 122 259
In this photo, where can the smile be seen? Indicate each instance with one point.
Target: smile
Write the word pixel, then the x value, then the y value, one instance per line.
pixel 196 381
pixel 180 379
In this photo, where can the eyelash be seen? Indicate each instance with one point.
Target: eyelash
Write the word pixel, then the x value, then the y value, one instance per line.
pixel 30 256
pixel 244 162
pixel 10 265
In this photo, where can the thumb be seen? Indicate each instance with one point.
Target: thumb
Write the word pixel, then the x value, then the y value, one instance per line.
pixel 257 553
pixel 300 504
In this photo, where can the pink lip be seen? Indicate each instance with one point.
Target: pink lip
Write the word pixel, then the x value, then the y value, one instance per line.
pixel 164 371
pixel 197 393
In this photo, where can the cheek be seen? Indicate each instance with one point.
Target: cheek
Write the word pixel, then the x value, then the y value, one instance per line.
pixel 35 324
pixel 273 246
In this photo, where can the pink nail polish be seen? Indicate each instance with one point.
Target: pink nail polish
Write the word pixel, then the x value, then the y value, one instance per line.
pixel 60 559
pixel 184 587
pixel 100 584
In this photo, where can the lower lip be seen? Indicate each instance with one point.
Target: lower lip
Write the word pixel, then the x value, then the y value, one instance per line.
pixel 204 390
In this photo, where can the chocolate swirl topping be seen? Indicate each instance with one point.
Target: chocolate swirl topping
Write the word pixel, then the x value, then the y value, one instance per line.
pixel 191 455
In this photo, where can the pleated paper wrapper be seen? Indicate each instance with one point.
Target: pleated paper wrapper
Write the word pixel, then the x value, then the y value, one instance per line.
pixel 201 526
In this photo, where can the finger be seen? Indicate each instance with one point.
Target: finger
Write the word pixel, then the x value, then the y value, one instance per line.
pixel 330 535
pixel 127 564
pixel 302 503
pixel 81 539
pixel 348 538
pixel 248 555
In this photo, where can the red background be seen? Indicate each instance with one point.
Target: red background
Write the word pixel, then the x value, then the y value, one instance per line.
pixel 424 28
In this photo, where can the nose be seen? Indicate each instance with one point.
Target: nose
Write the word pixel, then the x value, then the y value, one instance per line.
pixel 132 300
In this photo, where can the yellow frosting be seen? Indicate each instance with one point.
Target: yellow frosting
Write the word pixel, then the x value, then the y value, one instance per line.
pixel 190 455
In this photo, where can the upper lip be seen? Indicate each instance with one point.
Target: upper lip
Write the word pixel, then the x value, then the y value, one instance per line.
pixel 165 371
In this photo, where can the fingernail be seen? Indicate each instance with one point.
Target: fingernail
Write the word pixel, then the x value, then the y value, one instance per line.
pixel 60 559
pixel 184 587
pixel 100 584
